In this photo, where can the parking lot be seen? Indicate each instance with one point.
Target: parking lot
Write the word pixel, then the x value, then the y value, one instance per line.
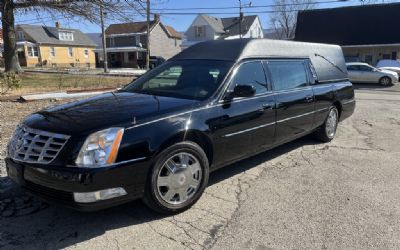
pixel 302 195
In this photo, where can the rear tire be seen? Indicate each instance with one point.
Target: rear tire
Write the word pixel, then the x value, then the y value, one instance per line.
pixel 327 131
pixel 385 81
pixel 178 178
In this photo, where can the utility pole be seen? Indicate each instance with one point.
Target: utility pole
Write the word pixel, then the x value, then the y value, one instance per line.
pixel 240 18
pixel 103 36
pixel 148 36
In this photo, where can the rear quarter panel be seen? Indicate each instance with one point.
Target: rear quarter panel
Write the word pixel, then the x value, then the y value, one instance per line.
pixel 344 94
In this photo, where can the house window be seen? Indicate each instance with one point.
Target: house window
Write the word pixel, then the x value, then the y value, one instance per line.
pixel 137 40
pixel 176 42
pixel 20 36
pixel 70 52
pixel 386 56
pixel 52 51
pixel 66 36
pixel 112 42
pixel 33 51
pixel 368 59
pixel 200 31
pixel 131 56
pixel 86 52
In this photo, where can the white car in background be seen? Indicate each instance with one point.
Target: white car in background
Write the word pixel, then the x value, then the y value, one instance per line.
pixel 365 73
pixel 392 65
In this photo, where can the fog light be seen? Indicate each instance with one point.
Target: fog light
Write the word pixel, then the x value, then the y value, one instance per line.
pixel 99 195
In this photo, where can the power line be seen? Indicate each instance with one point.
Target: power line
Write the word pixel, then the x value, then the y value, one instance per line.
pixel 250 6
pixel 226 13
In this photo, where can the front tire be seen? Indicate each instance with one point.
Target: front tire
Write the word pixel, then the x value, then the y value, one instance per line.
pixel 385 81
pixel 327 131
pixel 178 178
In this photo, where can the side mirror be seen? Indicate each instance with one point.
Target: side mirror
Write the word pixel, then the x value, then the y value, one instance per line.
pixel 244 91
pixel 240 91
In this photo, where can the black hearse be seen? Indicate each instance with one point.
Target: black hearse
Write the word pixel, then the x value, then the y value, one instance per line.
pixel 159 137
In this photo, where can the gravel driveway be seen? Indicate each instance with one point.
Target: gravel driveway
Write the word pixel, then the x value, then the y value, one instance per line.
pixel 303 195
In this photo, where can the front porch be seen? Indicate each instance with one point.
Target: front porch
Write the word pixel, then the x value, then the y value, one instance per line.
pixel 123 57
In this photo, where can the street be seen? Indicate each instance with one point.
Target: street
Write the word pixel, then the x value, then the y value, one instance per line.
pixel 302 195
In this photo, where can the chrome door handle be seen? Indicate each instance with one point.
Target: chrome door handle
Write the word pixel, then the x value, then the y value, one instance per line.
pixel 268 106
pixel 310 98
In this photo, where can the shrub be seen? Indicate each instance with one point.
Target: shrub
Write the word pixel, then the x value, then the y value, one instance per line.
pixel 9 81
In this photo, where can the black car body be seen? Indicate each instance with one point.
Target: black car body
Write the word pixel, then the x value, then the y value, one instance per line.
pixel 283 91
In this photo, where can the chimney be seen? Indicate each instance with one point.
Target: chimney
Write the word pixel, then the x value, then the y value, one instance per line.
pixel 58 25
pixel 157 17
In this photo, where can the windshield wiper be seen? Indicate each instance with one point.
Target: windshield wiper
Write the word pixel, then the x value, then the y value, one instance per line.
pixel 331 62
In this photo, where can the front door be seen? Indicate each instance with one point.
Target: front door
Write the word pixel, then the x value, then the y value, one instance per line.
pixel 245 125
pixel 368 74
pixel 294 98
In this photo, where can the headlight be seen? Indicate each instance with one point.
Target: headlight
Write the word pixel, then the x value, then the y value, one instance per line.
pixel 100 149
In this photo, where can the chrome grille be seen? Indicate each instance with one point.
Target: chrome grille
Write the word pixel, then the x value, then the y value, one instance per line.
pixel 35 146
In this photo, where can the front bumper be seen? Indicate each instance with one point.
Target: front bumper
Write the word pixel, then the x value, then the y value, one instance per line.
pixel 58 184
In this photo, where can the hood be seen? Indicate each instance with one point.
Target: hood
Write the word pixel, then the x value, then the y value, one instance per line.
pixel 386 71
pixel 390 69
pixel 119 109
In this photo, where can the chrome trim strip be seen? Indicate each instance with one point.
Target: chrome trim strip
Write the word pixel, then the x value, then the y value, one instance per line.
pixel 111 165
pixel 195 110
pixel 344 103
pixel 249 129
pixel 168 117
pixel 128 161
pixel 298 116
pixel 272 123
pixel 240 99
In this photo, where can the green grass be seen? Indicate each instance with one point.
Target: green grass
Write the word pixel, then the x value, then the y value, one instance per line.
pixel 39 82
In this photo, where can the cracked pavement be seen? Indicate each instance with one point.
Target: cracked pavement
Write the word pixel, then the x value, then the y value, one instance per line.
pixel 302 195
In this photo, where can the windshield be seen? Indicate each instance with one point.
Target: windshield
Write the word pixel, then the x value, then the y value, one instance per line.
pixel 188 79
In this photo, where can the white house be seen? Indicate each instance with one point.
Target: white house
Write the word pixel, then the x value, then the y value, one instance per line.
pixel 205 27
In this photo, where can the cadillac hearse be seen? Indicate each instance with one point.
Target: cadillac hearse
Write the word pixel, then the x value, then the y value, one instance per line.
pixel 160 137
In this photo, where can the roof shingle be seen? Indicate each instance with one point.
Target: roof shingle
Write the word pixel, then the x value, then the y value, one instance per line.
pixel 128 28
pixel 48 35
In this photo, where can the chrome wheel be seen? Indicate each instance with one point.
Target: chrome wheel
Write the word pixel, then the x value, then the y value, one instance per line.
pixel 331 123
pixel 179 178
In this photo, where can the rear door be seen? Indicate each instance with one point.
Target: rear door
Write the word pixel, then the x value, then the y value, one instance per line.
pixel 294 97
pixel 354 73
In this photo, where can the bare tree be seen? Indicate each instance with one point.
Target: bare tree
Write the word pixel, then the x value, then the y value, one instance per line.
pixel 89 10
pixel 284 17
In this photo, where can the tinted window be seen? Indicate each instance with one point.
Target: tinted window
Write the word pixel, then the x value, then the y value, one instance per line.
pixel 365 68
pixel 353 67
pixel 251 73
pixel 288 74
pixel 189 79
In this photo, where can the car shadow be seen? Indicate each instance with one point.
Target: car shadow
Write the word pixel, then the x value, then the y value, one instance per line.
pixel 374 86
pixel 54 226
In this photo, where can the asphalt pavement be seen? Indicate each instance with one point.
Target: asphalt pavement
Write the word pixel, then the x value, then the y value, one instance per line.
pixel 302 195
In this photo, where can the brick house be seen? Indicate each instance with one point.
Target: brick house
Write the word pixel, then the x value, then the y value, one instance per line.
pixel 54 47
pixel 126 43
pixel 366 33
